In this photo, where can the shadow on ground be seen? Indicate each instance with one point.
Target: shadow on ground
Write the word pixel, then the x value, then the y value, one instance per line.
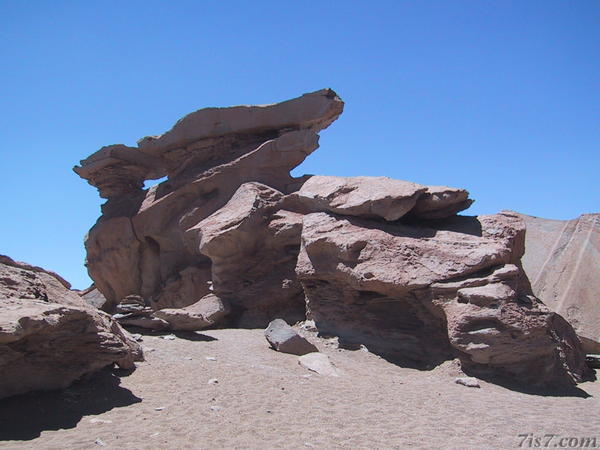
pixel 24 417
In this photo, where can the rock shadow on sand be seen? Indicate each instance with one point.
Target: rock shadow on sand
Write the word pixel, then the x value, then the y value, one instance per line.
pixel 25 417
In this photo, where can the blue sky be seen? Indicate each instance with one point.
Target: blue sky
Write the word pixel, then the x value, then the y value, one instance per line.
pixel 499 97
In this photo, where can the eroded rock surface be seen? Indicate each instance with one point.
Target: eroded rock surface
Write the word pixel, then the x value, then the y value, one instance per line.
pixel 49 336
pixel 374 261
pixel 419 295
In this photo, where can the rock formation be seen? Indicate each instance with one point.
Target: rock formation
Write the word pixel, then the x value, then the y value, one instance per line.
pixel 562 261
pixel 49 336
pixel 374 261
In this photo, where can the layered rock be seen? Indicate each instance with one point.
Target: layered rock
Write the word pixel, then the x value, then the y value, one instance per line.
pixel 49 336
pixel 562 261
pixel 420 295
pixel 375 261
pixel 140 244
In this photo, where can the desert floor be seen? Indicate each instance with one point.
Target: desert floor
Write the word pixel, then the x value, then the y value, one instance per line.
pixel 264 399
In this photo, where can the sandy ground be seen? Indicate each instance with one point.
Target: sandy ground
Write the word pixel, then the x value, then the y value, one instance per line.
pixel 264 399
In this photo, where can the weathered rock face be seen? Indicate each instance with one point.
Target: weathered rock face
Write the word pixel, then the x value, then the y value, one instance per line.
pixel 381 197
pixel 206 312
pixel 141 244
pixel 253 253
pixel 374 261
pixel 419 295
pixel 562 261
pixel 49 336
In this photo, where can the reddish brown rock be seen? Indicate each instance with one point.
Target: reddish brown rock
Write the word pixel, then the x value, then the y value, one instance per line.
pixel 361 196
pixel 49 336
pixel 562 261
pixel 253 248
pixel 380 197
pixel 418 296
pixel 206 312
pixel 138 246
pixel 375 261
pixel 440 202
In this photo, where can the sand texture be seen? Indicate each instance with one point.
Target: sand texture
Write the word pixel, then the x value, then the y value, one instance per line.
pixel 228 389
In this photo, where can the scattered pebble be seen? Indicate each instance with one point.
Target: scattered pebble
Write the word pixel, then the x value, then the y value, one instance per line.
pixel 468 381
pixel 215 408
pixel 138 337
pixel 155 434
pixel 211 358
pixel 100 442
pixel 100 421
pixel 168 337
pixel 189 358
pixel 213 381
pixel 160 408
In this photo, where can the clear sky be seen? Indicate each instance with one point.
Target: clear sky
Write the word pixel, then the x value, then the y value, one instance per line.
pixel 499 97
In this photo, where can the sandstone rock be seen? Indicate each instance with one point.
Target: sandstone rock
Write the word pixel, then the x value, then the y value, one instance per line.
pixel 253 246
pixel 440 202
pixel 562 261
pixel 418 296
pixel 380 197
pixel 207 137
pixel 361 196
pixel 320 363
pixel 145 245
pixel 205 313
pixel 49 336
pixel 374 262
pixel 284 339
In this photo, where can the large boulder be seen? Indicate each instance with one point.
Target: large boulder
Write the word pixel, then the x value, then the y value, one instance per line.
pixel 205 313
pixel 562 261
pixel 375 261
pixel 380 197
pixel 421 295
pixel 49 336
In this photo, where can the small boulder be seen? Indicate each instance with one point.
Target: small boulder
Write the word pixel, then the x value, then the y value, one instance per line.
pixel 283 338
pixel 205 313
pixel 468 381
pixel 318 362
